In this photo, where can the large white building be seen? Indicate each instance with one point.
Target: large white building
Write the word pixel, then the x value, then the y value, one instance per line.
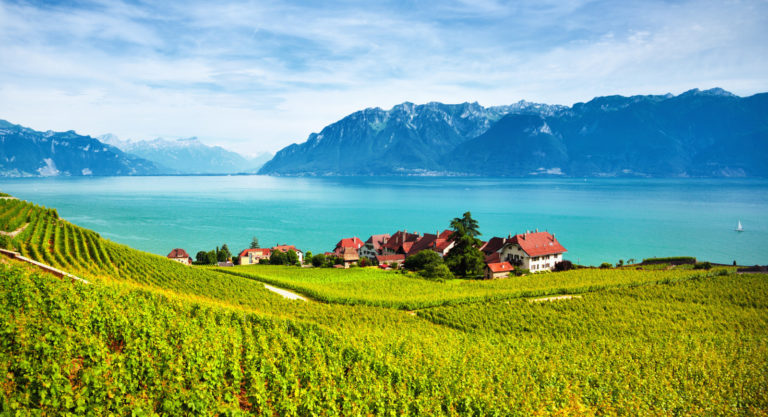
pixel 534 251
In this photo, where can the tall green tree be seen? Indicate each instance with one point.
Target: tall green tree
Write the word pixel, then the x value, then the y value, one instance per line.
pixel 223 254
pixel 255 243
pixel 465 259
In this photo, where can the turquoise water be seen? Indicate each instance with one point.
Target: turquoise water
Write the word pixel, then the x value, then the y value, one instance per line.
pixel 597 220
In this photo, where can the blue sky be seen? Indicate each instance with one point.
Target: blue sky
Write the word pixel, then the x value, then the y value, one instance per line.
pixel 256 76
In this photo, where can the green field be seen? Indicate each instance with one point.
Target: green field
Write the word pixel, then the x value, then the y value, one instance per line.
pixel 375 287
pixel 154 337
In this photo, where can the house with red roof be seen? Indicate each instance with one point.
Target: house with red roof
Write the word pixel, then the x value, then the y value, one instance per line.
pixel 392 260
pixel 373 246
pixel 400 243
pixel 348 250
pixel 535 251
pixel 180 255
pixel 254 256
pixel 498 270
pixel 438 242
pixel 285 248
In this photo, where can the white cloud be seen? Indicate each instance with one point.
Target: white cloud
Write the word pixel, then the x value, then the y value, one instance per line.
pixel 266 75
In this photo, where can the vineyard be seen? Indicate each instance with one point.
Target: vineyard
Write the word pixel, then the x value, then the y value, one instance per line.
pixel 374 287
pixel 154 337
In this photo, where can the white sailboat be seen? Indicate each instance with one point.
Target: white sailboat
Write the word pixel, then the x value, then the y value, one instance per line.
pixel 739 228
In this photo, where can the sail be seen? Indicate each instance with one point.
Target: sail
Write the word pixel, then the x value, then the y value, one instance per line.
pixel 739 228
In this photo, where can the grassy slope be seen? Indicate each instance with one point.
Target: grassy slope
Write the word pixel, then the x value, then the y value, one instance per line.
pixel 371 286
pixel 158 337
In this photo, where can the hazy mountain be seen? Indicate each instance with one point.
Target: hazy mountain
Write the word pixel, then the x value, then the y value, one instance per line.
pixel 189 156
pixel 698 133
pixel 25 152
pixel 408 139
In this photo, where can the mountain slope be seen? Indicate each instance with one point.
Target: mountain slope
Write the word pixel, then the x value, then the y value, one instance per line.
pixel 25 152
pixel 699 133
pixel 710 133
pixel 407 139
pixel 188 156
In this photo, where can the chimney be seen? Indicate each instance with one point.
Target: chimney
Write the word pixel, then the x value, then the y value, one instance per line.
pixel 537 230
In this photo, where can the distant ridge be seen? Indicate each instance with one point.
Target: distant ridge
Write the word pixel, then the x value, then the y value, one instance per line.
pixel 189 155
pixel 25 152
pixel 710 133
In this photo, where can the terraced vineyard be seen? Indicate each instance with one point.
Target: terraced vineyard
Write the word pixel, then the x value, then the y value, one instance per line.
pixel 371 286
pixel 154 337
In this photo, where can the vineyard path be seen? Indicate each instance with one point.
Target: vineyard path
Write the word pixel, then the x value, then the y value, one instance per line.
pixel 15 232
pixel 285 293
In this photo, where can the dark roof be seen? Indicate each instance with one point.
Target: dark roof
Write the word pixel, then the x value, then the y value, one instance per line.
pixel 178 253
pixel 377 241
pixel 397 242
pixel 493 245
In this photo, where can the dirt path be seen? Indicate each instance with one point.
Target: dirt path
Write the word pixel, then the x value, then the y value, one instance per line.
pixel 8 198
pixel 555 298
pixel 285 293
pixel 15 232
pixel 58 272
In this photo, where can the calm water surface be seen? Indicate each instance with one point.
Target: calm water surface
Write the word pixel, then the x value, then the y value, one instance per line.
pixel 597 220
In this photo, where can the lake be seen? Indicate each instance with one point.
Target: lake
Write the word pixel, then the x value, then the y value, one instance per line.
pixel 597 220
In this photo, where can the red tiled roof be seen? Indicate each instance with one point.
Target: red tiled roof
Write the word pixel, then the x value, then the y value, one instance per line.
pixel 539 243
pixel 425 242
pixel 395 243
pixel 493 245
pixel 390 258
pixel 493 258
pixel 260 251
pixel 500 267
pixel 178 253
pixel 377 241
pixel 350 242
pixel 285 248
pixel 445 234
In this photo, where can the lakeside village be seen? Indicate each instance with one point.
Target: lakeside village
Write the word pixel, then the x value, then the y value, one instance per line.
pixel 439 255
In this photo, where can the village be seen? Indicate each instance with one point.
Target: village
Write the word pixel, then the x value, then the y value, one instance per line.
pixel 531 251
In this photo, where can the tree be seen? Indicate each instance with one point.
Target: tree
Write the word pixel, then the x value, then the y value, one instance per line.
pixel 318 260
pixel 211 257
pixel 255 243
pixel 277 258
pixel 223 254
pixel 291 258
pixel 308 257
pixel 418 261
pixel 436 271
pixel 201 257
pixel 563 265
pixel 465 259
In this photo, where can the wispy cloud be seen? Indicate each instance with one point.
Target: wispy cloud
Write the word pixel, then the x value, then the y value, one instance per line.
pixel 256 76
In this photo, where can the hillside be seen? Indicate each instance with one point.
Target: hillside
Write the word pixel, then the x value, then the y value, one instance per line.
pixel 150 336
pixel 189 155
pixel 710 133
pixel 408 139
pixel 25 152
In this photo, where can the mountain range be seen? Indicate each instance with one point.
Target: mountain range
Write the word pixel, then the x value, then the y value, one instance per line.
pixel 25 152
pixel 189 155
pixel 710 133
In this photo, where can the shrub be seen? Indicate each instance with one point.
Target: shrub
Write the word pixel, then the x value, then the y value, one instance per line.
pixel 318 260
pixel 436 271
pixel 420 260
pixel 605 265
pixel 702 265
pixel 563 266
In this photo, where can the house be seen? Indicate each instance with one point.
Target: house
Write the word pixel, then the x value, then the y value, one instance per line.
pixel 254 256
pixel 498 270
pixel 285 248
pixel 348 250
pixel 180 255
pixel 493 245
pixel 399 243
pixel 373 246
pixel 392 260
pixel 535 251
pixel 439 242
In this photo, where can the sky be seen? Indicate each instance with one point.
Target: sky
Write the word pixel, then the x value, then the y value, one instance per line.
pixel 257 76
